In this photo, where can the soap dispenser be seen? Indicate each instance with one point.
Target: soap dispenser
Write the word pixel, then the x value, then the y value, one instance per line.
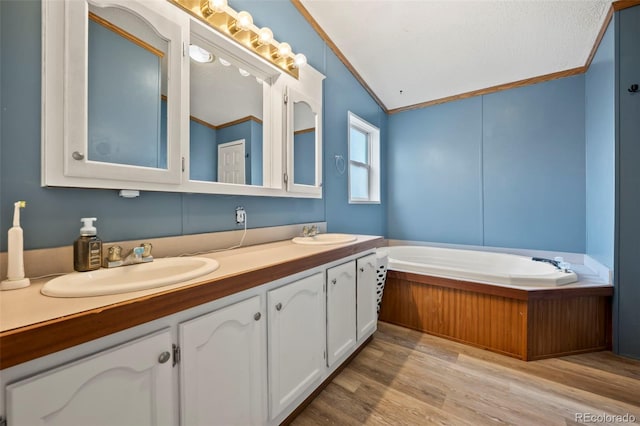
pixel 87 249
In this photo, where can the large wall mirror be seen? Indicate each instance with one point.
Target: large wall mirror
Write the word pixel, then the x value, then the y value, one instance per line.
pixel 127 89
pixel 141 95
pixel 226 116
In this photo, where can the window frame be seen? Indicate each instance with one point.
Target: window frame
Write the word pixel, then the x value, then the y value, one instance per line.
pixel 372 166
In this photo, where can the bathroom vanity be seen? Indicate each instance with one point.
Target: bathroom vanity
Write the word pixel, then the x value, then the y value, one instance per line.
pixel 248 343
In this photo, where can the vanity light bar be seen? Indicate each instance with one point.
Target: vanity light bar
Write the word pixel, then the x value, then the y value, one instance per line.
pixel 240 27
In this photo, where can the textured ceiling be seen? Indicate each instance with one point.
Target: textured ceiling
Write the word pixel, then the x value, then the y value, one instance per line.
pixel 414 51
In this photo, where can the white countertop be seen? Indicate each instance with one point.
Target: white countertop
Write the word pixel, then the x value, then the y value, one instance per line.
pixel 27 306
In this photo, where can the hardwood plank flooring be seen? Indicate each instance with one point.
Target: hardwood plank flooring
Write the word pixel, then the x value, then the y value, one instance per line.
pixel 404 377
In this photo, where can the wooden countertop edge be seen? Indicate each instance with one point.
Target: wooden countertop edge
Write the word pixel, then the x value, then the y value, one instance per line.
pixel 496 290
pixel 36 340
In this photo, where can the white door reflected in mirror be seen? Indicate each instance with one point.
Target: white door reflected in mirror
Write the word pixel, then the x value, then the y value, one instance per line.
pixel 231 158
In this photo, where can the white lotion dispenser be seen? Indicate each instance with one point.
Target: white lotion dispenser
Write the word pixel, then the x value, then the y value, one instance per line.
pixel 15 253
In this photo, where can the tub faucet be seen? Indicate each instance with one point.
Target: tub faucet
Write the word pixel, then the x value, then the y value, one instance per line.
pixel 545 260
pixel 559 263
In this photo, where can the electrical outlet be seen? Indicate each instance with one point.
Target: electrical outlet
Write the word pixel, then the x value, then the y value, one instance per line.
pixel 240 215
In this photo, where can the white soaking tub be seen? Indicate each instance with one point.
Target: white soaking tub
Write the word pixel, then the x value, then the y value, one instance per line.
pixel 478 266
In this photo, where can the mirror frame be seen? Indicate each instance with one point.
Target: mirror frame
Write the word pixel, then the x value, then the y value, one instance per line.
pixel 293 98
pixel 309 90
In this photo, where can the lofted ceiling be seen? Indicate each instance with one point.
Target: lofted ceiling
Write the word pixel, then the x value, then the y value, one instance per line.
pixel 411 53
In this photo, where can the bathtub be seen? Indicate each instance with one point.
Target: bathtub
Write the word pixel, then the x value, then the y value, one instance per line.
pixel 504 303
pixel 477 266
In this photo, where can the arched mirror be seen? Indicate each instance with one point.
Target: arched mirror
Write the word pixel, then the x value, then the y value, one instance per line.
pixel 304 144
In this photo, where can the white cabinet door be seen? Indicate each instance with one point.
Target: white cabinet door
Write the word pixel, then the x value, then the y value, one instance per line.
pixel 341 311
pixel 130 385
pixel 367 313
pixel 223 366
pixel 296 336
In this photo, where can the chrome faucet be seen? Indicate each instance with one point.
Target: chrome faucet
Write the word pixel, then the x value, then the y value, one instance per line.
pixel 309 231
pixel 558 262
pixel 139 254
pixel 134 256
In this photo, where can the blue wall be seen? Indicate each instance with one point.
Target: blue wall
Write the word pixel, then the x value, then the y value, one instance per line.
pixel 505 169
pixel 124 111
pixel 340 97
pixel 304 158
pixel 600 151
pixel 342 93
pixel 52 216
pixel 626 321
pixel 435 173
pixel 203 152
pixel 256 157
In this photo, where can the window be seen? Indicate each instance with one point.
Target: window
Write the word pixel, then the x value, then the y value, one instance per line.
pixel 364 161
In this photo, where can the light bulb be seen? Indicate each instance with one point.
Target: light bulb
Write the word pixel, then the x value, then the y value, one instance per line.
pixel 265 36
pixel 299 60
pixel 243 73
pixel 284 50
pixel 198 54
pixel 244 21
pixel 218 6
pixel 224 62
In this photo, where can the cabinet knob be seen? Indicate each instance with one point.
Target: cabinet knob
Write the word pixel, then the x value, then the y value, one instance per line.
pixel 257 316
pixel 334 281
pixel 361 269
pixel 164 357
pixel 77 155
pixel 278 306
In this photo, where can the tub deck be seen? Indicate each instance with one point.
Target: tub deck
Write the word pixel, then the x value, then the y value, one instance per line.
pixel 524 324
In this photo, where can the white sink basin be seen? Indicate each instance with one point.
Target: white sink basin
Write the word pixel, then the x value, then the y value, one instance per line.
pixel 140 276
pixel 324 239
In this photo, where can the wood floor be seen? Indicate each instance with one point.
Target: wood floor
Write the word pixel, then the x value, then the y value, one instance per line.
pixel 404 377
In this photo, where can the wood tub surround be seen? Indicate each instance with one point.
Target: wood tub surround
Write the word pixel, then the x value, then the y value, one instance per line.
pixel 240 269
pixel 524 324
